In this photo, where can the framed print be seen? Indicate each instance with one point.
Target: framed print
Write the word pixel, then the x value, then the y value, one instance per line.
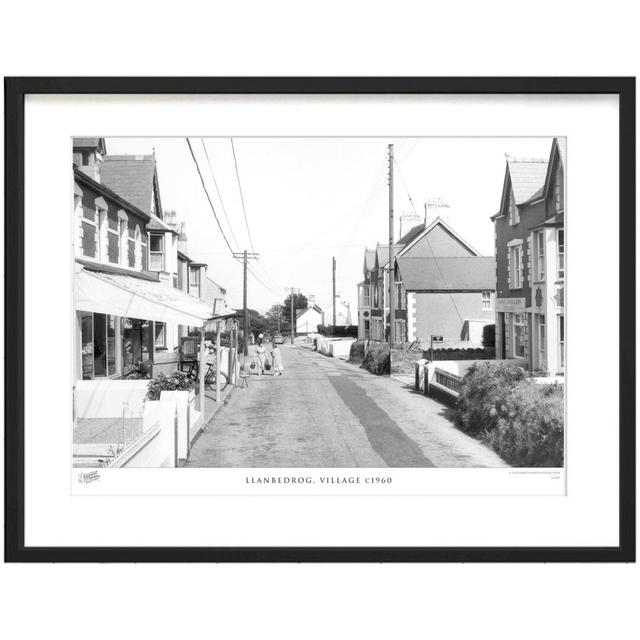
pixel 320 319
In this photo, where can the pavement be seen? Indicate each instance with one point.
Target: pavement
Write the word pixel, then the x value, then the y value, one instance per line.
pixel 324 412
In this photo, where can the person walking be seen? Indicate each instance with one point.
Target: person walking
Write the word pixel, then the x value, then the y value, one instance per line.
pixel 276 360
pixel 261 357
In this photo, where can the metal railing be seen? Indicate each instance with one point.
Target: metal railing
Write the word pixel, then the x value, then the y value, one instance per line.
pixel 448 380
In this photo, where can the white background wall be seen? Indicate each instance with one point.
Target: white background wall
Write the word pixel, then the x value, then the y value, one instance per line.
pixel 241 601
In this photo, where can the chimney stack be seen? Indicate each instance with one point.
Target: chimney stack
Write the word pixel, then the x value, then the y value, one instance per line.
pixel 182 237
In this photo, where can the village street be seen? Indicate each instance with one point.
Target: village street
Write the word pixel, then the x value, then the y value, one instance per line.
pixel 324 412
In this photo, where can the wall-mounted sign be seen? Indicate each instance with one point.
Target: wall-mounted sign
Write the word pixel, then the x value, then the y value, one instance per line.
pixel 510 305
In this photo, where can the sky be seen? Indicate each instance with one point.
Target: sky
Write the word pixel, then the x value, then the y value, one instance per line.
pixel 308 200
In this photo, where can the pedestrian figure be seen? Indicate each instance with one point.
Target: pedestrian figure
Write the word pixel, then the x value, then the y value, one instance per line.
pixel 276 359
pixel 261 357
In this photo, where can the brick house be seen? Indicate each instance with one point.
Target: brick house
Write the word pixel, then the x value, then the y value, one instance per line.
pixel 530 263
pixel 133 289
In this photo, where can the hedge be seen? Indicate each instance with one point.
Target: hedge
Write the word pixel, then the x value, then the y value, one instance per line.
pixel 521 420
pixel 350 331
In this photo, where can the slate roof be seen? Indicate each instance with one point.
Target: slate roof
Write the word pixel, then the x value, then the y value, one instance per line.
pixel 90 143
pixel 411 235
pixel 383 253
pixel 131 177
pixel 315 307
pixel 527 176
pixel 369 259
pixel 471 273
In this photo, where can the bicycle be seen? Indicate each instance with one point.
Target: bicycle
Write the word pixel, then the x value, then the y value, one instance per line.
pixel 210 376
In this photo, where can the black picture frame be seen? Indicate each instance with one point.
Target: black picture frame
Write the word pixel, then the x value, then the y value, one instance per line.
pixel 15 91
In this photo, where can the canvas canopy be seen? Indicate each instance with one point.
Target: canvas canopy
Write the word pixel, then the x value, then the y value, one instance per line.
pixel 128 296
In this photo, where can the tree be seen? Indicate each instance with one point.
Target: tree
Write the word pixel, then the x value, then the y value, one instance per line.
pixel 274 319
pixel 299 302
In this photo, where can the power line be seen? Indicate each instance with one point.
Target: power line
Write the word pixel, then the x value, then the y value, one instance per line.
pixel 224 209
pixel 244 209
pixel 208 196
pixel 204 187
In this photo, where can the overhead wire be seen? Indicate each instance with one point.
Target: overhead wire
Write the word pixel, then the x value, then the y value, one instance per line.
pixel 206 191
pixel 215 182
pixel 244 211
pixel 204 187
pixel 433 255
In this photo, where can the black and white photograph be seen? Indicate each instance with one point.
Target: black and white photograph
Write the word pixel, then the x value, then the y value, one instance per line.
pixel 318 302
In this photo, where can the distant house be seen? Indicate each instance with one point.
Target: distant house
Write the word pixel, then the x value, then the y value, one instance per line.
pixel 307 320
pixel 444 286
pixel 343 313
pixel 530 253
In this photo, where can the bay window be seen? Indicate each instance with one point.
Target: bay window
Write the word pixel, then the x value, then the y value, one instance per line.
pixel 156 252
pixel 539 241
pixel 560 239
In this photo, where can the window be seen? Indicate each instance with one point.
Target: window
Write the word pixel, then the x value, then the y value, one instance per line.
pixel 560 253
pixel 137 342
pixel 123 233
pixel 98 345
pixel 194 281
pixel 518 335
pixel 542 343
pixel 486 300
pixel 561 343
pixel 539 238
pixel 367 330
pixel 156 252
pixel 366 295
pixel 516 267
pixel 400 331
pixel 160 335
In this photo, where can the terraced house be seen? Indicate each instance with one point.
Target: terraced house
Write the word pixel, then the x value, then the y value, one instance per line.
pixel 530 255
pixel 135 292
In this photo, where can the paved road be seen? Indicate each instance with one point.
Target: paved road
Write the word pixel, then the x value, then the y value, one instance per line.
pixel 327 413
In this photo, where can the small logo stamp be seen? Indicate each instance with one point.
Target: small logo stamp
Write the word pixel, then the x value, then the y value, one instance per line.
pixel 88 477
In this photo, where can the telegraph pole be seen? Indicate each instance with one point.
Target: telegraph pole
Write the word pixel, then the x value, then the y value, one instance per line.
pixel 292 291
pixel 245 256
pixel 392 275
pixel 334 294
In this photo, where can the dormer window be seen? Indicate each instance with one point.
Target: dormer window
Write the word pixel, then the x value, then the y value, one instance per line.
pixel 194 281
pixel 156 252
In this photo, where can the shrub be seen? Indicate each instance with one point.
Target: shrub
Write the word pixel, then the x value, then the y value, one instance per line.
pixel 377 360
pixel 356 351
pixel 175 382
pixel 136 372
pixel 350 331
pixel 483 396
pixel 530 433
pixel 489 335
